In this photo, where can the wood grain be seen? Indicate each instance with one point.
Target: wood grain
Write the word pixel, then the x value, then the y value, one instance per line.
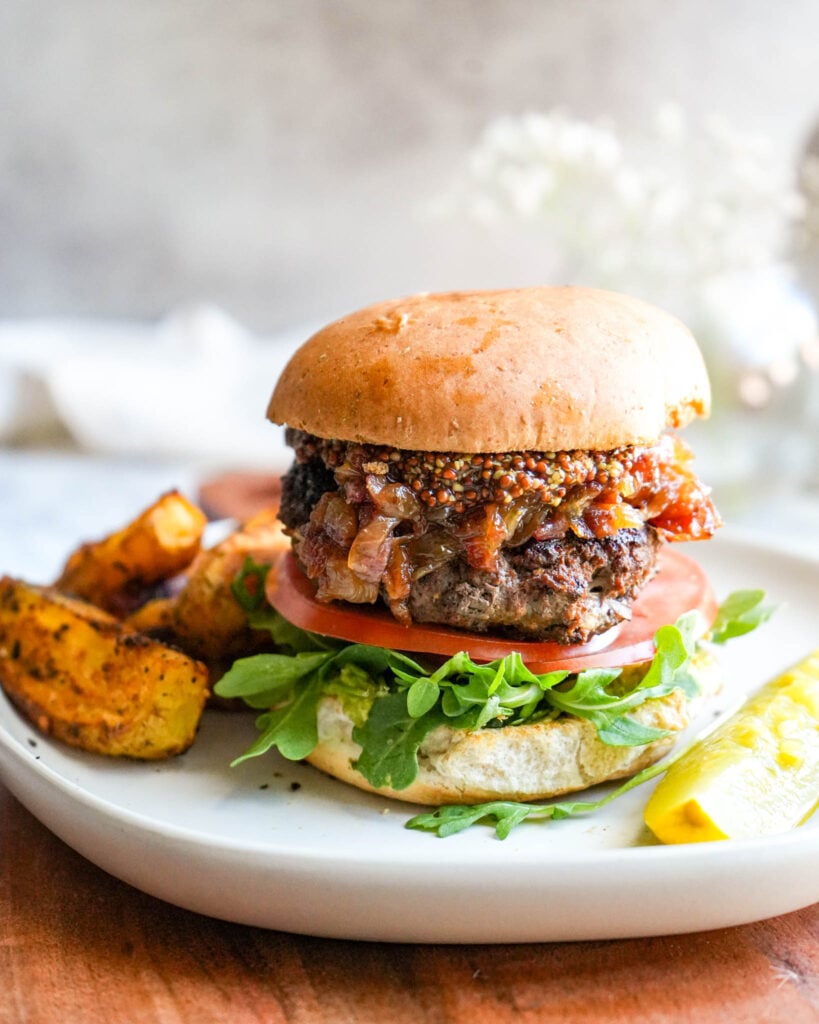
pixel 79 947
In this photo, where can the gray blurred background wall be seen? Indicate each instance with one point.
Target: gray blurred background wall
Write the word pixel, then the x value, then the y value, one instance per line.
pixel 271 156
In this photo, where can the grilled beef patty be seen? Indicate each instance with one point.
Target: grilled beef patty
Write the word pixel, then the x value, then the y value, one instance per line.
pixel 564 589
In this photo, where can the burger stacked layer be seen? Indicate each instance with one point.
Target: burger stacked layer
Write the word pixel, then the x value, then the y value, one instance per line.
pixel 502 468
pixel 547 545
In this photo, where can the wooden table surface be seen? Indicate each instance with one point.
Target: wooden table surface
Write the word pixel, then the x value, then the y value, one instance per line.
pixel 77 945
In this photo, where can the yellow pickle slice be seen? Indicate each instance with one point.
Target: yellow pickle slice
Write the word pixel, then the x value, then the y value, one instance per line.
pixel 757 774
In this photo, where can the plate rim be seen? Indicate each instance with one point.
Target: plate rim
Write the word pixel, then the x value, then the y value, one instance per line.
pixel 17 755
pixel 26 756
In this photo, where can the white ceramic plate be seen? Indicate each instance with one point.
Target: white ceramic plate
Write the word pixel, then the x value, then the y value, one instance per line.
pixel 278 845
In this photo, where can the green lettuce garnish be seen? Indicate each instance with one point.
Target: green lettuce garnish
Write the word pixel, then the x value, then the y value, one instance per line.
pixel 395 700
pixel 507 814
pixel 740 613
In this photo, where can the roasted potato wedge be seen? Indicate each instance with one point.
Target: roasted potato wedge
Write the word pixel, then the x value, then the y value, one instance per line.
pixel 205 616
pixel 113 573
pixel 154 618
pixel 82 676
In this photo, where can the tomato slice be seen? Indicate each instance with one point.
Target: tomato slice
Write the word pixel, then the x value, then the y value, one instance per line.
pixel 679 586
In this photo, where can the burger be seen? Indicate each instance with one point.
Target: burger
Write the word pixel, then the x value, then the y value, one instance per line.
pixel 483 599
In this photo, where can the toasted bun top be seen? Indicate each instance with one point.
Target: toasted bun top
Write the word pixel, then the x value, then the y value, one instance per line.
pixel 537 369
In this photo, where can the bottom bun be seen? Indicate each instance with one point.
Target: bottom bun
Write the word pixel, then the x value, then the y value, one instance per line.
pixel 522 762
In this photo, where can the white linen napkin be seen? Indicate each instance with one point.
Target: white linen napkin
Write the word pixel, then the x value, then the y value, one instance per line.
pixel 193 386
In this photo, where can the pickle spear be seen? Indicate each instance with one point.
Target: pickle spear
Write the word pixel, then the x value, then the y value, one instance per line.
pixel 757 774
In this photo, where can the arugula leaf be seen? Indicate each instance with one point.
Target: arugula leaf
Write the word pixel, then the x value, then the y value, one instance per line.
pixel 394 701
pixel 673 648
pixel 508 814
pixel 447 821
pixel 263 679
pixel 288 637
pixel 621 731
pixel 291 727
pixel 676 646
pixel 740 613
pixel 390 739
pixel 422 696
pixel 248 586
pixel 593 697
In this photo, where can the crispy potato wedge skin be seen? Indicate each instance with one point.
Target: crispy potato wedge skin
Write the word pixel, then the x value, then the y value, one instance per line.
pixel 154 618
pixel 160 543
pixel 82 676
pixel 206 616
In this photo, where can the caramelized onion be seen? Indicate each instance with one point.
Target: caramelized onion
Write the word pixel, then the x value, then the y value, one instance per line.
pixel 398 516
pixel 395 500
pixel 397 581
pixel 370 551
pixel 337 518
pixel 482 533
pixel 605 520
pixel 430 551
pixel 339 582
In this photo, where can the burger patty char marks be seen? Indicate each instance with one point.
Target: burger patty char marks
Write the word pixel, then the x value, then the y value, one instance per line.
pixel 576 587
pixel 302 487
pixel 560 557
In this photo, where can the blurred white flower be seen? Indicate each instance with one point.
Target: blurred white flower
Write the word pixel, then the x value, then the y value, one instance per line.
pixel 696 218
